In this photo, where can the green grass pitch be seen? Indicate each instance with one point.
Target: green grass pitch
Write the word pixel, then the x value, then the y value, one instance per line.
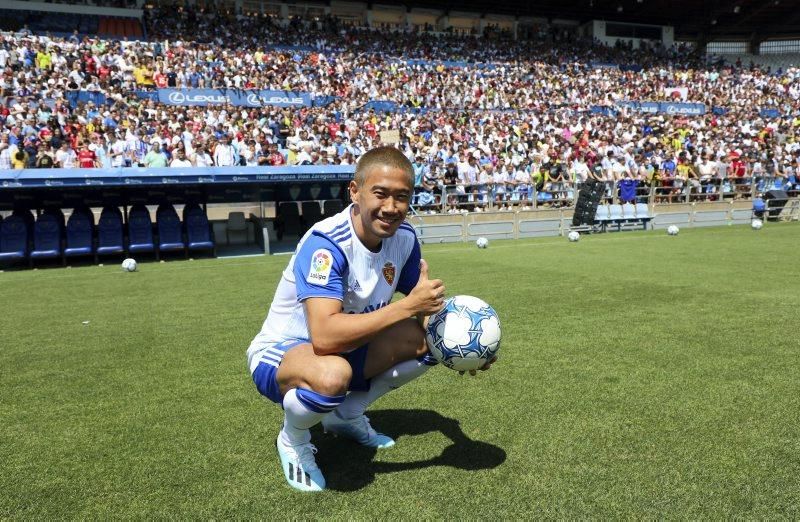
pixel 641 376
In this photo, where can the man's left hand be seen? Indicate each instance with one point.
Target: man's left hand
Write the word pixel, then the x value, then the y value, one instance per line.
pixel 483 368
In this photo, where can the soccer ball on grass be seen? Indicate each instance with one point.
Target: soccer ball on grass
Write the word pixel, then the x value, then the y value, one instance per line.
pixel 574 236
pixel 482 242
pixel 757 224
pixel 673 230
pixel 129 265
pixel 465 334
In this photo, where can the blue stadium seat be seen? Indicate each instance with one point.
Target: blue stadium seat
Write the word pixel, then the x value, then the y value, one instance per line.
pixel 331 207
pixel 13 238
pixel 80 233
pixel 27 215
pixel 59 215
pixel 170 232
pixel 47 238
pixel 140 230
pixel 198 230
pixel 288 220
pixel 110 232
pixel 312 212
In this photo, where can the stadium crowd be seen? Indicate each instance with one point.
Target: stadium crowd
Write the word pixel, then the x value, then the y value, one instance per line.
pixel 509 117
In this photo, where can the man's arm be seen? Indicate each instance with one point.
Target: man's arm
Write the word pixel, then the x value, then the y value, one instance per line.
pixel 333 331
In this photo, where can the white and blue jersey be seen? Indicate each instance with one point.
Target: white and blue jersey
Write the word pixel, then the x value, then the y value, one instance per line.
pixel 331 262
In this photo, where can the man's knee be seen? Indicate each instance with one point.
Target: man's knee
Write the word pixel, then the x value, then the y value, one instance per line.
pixel 334 376
pixel 327 374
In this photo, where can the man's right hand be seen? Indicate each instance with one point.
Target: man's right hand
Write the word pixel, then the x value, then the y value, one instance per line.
pixel 427 297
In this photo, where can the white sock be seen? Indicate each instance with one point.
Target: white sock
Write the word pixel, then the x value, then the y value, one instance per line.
pixel 297 420
pixel 356 403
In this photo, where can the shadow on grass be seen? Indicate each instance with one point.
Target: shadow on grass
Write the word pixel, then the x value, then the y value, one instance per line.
pixel 349 466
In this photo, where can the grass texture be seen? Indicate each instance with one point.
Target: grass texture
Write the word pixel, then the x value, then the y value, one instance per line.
pixel 641 376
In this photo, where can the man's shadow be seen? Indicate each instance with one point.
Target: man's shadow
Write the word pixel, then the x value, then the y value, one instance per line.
pixel 349 466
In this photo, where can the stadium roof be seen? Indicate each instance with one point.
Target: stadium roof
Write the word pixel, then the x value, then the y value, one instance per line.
pixel 694 19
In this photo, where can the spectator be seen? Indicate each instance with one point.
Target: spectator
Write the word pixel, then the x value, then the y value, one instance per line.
pixel 65 156
pixel 180 160
pixel 201 157
pixel 87 159
pixel 44 159
pixel 540 112
pixel 155 158
pixel 224 153
pixel 19 160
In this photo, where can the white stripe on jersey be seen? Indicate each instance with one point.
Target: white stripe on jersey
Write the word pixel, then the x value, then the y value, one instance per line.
pixel 366 288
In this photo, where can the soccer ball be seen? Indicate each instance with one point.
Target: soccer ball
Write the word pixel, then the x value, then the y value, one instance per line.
pixel 673 230
pixel 129 265
pixel 757 224
pixel 482 242
pixel 574 236
pixel 465 334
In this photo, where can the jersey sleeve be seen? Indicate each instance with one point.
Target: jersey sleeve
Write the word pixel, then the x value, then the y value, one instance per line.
pixel 320 269
pixel 409 275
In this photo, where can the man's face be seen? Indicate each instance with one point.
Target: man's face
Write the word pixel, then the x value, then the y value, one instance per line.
pixel 382 203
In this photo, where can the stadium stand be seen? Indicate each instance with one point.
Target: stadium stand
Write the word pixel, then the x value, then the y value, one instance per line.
pixel 526 118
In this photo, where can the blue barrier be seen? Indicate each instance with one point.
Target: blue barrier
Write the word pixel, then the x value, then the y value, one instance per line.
pixel 689 109
pixel 648 107
pixel 601 109
pixel 603 65
pixel 237 97
pixel 147 95
pixel 452 64
pixel 75 97
pixel 33 178
pixel 643 107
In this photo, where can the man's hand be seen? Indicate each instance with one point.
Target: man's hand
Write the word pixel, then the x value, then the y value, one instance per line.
pixel 485 367
pixel 428 296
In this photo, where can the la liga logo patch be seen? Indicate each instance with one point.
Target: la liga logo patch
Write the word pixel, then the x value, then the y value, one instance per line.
pixel 388 273
pixel 320 269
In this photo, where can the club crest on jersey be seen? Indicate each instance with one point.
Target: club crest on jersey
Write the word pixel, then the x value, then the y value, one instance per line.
pixel 320 270
pixel 388 272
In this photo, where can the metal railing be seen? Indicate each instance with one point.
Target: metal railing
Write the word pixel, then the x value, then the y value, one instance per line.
pixel 449 199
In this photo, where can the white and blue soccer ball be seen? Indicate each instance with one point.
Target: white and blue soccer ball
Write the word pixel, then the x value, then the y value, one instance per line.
pixel 673 230
pixel 465 334
pixel 574 236
pixel 757 224
pixel 482 242
pixel 129 265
